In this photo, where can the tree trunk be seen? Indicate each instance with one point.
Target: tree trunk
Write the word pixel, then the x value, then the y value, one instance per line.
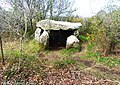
pixel 51 9
pixel 31 23
pixel 19 60
pixel 2 54
pixel 21 48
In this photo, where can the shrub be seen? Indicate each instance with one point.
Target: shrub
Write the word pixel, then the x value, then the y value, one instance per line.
pixel 33 46
pixel 82 38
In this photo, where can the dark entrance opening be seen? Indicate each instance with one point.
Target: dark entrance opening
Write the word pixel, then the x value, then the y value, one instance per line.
pixel 58 38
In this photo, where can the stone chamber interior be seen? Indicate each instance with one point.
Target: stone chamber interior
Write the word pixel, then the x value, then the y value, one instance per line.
pixel 58 38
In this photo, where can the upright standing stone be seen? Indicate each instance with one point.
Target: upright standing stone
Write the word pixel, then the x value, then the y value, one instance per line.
pixel 37 34
pixel 44 38
pixel 72 41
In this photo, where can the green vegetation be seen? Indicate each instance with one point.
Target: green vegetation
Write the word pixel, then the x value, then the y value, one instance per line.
pixel 37 62
pixel 29 64
pixel 32 46
pixel 107 61
pixel 63 63
pixel 23 58
pixel 69 51
pixel 82 38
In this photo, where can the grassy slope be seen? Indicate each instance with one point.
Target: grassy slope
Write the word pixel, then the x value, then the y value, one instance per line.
pixel 35 63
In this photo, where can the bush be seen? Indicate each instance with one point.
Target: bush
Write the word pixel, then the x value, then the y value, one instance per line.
pixel 82 38
pixel 32 46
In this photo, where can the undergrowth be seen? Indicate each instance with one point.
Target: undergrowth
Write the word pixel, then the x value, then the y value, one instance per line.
pixel 63 63
pixel 32 46
pixel 108 61
pixel 31 63
pixel 69 51
pixel 28 64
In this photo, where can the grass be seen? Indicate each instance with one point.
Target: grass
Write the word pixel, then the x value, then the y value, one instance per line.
pixel 31 62
pixel 63 63
pixel 69 51
pixel 108 61
pixel 32 47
